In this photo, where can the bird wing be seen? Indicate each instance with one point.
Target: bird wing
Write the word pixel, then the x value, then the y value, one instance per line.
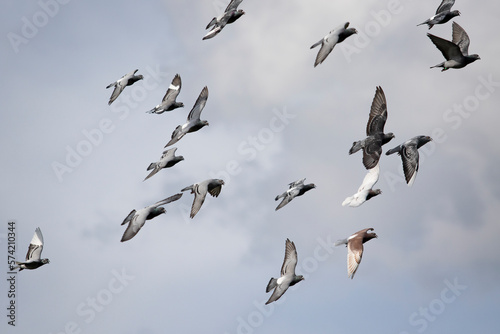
pixel 135 224
pixel 168 153
pixel 445 6
pixel 290 260
pixel 409 156
pixel 326 47
pixel 119 87
pixel 370 179
pixel 233 5
pixel 296 183
pixel 354 255
pixel 447 48
pixel 199 105
pixel 378 113
pixel 177 135
pixel 173 90
pixel 460 38
pixel 372 152
pixel 289 195
pixel 36 246
pixel 166 200
pixel 214 190
pixel 200 192
pixel 278 292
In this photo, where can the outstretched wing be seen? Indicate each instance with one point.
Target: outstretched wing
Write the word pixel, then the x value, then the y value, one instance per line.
pixel 199 105
pixel 378 113
pixel 233 5
pixel 36 246
pixel 174 89
pixel 445 6
pixel 447 48
pixel 460 38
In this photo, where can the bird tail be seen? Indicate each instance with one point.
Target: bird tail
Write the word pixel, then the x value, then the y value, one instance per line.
pixel 152 111
pixel 151 166
pixel 273 282
pixel 393 150
pixel 340 242
pixel 316 44
pixel 347 201
pixel 111 85
pixel 356 146
pixel 188 188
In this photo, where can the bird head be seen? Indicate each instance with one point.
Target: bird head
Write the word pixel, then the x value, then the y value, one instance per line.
pixel 205 123
pixel 45 261
pixel 455 13
pixel 140 77
pixel 161 210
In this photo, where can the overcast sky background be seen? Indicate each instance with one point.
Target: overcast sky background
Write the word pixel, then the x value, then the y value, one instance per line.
pixel 209 274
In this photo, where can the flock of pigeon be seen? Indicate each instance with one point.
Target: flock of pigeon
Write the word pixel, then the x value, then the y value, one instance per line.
pixel 456 54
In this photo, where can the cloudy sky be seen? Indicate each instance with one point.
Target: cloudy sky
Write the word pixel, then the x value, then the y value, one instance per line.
pixel 73 166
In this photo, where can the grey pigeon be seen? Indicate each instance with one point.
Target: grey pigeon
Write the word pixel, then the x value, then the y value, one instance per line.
pixel 120 84
pixel 231 14
pixel 409 155
pixel 288 277
pixel 33 257
pixel 365 191
pixel 355 249
pixel 328 42
pixel 168 103
pixel 193 122
pixel 137 219
pixel 443 14
pixel 372 144
pixel 297 188
pixel 456 52
pixel 168 159
pixel 200 190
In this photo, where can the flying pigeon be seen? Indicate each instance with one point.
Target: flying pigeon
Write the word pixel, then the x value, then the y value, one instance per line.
pixel 137 219
pixel 200 190
pixel 354 246
pixel 409 155
pixel 372 144
pixel 337 35
pixel 168 103
pixel 456 52
pixel 297 188
pixel 443 14
pixel 288 277
pixel 120 84
pixel 365 191
pixel 193 122
pixel 168 159
pixel 231 14
pixel 35 248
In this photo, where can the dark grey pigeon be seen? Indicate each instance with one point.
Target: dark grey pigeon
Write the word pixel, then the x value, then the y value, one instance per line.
pixel 137 219
pixel 372 144
pixel 193 122
pixel 169 102
pixel 288 277
pixel 409 155
pixel 231 14
pixel 200 190
pixel 337 35
pixel 297 188
pixel 168 159
pixel 443 14
pixel 33 257
pixel 120 84
pixel 456 52
pixel 354 246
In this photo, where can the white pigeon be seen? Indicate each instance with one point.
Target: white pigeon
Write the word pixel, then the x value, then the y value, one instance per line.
pixel 137 219
pixel 33 257
pixel 365 191
pixel 120 84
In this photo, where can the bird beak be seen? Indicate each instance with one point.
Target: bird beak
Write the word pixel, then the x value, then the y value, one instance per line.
pixel 355 31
